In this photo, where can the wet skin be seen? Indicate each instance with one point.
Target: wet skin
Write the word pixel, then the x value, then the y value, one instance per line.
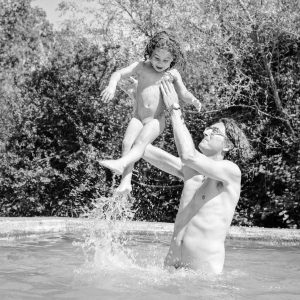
pixel 209 197
pixel 149 120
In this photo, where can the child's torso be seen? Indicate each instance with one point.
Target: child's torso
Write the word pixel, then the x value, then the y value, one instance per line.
pixel 149 100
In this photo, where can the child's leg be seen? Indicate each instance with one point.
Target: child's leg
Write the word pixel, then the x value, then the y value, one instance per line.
pixel 134 128
pixel 148 134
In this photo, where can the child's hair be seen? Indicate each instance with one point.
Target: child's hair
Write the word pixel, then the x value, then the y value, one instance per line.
pixel 241 149
pixel 165 40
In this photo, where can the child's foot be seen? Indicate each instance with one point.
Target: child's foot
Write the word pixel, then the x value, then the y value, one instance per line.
pixel 124 188
pixel 113 165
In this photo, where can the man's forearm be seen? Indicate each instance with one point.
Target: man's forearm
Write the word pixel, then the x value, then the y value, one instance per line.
pixel 183 138
pixel 184 142
pixel 163 161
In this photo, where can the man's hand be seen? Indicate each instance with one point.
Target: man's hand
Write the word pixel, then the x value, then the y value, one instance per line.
pixel 169 94
pixel 108 93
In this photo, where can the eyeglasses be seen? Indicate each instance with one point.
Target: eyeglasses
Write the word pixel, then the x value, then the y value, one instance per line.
pixel 215 131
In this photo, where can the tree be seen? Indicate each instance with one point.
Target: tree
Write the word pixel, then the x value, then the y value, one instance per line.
pixel 242 61
pixel 50 166
pixel 25 42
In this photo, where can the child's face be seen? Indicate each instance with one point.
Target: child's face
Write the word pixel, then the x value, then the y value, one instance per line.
pixel 161 60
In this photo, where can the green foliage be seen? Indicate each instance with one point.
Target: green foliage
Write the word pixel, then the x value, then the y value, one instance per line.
pixel 265 63
pixel 25 39
pixel 50 167
pixel 243 62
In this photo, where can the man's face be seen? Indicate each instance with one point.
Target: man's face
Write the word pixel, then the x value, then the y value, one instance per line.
pixel 214 140
pixel 161 60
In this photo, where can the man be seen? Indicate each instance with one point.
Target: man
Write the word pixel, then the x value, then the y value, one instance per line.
pixel 211 189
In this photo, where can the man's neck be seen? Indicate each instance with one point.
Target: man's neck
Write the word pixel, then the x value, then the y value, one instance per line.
pixel 216 156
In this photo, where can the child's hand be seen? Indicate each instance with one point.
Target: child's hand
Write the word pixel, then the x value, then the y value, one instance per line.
pixel 108 93
pixel 134 81
pixel 197 104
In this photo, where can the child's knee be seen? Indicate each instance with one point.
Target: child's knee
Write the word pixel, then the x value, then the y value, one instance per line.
pixel 141 142
pixel 127 144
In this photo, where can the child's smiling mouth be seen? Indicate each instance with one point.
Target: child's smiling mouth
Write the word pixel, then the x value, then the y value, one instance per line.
pixel 159 68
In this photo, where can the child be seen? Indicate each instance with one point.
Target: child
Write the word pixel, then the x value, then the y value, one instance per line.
pixel 162 53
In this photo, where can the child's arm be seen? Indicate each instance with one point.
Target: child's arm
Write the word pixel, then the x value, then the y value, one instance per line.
pixel 109 92
pixel 182 91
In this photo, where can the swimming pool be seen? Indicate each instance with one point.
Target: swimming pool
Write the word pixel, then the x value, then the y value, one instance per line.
pixel 47 262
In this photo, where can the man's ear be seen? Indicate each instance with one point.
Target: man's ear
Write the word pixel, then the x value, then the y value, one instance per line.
pixel 227 145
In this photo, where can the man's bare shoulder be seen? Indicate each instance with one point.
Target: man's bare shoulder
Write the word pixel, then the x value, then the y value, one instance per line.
pixel 221 170
pixel 232 169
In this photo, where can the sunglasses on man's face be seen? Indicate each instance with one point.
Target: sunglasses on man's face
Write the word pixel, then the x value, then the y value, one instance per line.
pixel 215 131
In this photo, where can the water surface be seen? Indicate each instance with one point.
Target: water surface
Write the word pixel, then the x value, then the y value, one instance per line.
pixel 56 267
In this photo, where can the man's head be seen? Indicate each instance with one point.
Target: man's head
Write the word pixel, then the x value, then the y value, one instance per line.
pixel 225 139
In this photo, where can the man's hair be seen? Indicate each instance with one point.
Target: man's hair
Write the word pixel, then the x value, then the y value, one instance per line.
pixel 240 149
pixel 165 40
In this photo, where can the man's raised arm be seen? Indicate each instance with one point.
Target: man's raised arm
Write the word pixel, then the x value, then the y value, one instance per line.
pixel 224 171
pixel 183 138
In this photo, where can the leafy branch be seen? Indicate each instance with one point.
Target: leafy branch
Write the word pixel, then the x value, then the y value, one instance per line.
pixel 267 64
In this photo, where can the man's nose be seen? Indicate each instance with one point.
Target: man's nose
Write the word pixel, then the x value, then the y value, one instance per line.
pixel 207 132
pixel 206 136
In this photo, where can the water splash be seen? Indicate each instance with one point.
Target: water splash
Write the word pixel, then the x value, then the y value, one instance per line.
pixel 105 240
pixel 115 259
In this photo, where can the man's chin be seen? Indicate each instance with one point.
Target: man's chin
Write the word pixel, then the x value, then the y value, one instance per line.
pixel 201 147
pixel 205 148
pixel 203 144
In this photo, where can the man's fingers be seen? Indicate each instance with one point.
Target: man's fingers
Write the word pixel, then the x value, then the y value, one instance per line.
pixel 105 97
pixel 165 87
pixel 162 88
pixel 168 86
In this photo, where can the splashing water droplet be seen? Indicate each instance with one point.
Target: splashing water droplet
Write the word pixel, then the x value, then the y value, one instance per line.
pixel 105 240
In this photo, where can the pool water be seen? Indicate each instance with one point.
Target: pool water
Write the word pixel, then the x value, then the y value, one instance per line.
pixel 56 267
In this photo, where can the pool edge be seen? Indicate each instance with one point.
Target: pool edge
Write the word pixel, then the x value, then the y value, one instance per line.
pixel 14 227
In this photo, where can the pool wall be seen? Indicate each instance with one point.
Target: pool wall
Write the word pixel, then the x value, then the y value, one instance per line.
pixel 25 226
